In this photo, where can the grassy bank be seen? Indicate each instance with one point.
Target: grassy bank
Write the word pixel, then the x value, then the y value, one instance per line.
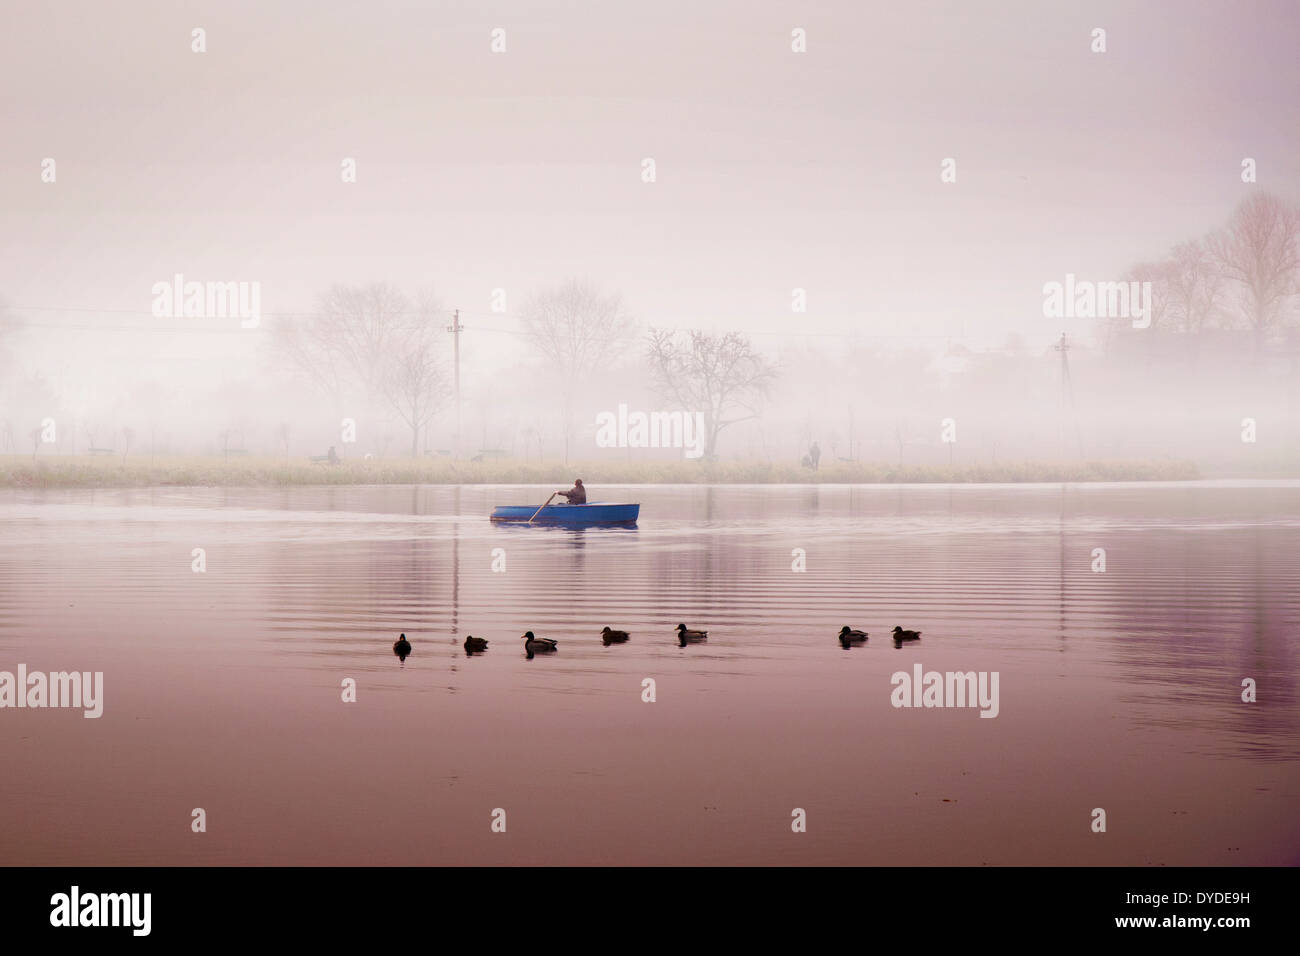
pixel 87 472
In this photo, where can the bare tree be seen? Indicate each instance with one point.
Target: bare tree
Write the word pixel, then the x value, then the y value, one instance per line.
pixel 40 404
pixel 720 375
pixel 9 326
pixel 310 346
pixel 128 436
pixel 414 382
pixel 1195 288
pixel 1259 251
pixel 352 336
pixel 1160 274
pixel 578 330
pixel 282 433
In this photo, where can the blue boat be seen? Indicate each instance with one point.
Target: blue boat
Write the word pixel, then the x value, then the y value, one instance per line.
pixel 594 512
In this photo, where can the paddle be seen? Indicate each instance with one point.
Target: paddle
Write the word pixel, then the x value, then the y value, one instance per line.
pixel 544 504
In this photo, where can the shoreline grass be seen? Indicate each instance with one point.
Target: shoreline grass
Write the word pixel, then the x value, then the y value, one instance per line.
pixel 195 471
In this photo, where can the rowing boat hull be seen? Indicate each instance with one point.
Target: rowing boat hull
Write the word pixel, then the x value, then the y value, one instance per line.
pixel 596 512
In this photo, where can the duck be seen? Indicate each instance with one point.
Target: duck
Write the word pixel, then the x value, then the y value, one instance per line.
pixel 902 635
pixel 685 634
pixel 473 644
pixel 537 645
pixel 849 635
pixel 402 647
pixel 613 637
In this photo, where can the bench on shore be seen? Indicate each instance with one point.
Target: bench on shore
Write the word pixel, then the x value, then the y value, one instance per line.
pixel 323 460
pixel 489 454
pixel 102 451
pixel 234 451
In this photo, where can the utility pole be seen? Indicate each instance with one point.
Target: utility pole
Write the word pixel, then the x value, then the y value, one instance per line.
pixel 1067 391
pixel 455 329
pixel 1063 346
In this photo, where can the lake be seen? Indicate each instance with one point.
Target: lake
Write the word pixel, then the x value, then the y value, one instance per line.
pixel 1118 689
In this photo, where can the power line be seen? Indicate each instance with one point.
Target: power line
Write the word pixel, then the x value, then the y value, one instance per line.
pixel 909 336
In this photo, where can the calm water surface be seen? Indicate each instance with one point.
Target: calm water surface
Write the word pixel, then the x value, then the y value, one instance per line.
pixel 222 690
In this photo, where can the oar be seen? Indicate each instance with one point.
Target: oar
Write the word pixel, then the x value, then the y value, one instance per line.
pixel 544 504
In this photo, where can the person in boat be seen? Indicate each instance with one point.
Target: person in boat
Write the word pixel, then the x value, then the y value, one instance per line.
pixel 577 495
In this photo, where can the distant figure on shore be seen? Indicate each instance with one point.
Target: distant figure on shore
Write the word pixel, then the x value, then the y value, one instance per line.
pixel 333 456
pixel 577 495
pixel 814 455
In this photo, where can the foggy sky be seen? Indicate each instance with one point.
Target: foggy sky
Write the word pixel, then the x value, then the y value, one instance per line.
pixel 479 170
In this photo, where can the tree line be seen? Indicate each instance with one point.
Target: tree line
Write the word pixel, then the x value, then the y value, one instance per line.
pixel 376 342
pixel 1242 277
